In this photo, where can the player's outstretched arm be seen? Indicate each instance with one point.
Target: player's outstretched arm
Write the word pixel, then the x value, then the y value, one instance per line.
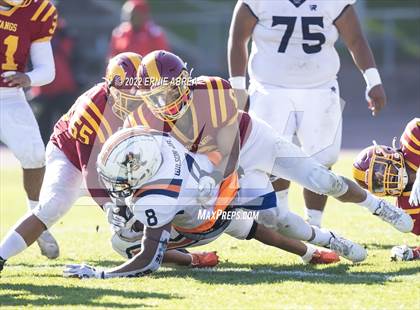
pixel 351 32
pixel 150 258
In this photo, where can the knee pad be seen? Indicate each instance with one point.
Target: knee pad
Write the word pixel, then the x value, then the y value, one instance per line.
pixel 325 182
pixel 272 218
pixel 327 157
pixel 33 156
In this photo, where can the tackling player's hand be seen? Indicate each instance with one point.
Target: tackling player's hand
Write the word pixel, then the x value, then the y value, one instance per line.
pixel 16 79
pixel 414 199
pixel 376 99
pixel 82 271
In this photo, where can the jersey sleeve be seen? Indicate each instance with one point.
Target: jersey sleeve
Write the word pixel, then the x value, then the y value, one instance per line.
pixel 253 5
pixel 155 210
pixel 410 144
pixel 44 22
pixel 414 212
pixel 337 7
pixel 87 123
pixel 228 103
pixel 221 101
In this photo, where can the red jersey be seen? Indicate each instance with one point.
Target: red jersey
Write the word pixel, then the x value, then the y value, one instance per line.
pixel 213 107
pixel 410 147
pixel 81 132
pixel 19 28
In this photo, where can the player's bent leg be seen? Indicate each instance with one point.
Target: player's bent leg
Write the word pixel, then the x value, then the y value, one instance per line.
pixel 127 243
pixel 59 191
pixel 32 182
pixel 320 132
pixel 308 253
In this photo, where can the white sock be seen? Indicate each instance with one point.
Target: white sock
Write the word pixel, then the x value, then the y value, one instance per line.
pixel 371 202
pixel 11 245
pixel 283 199
pixel 31 204
pixel 314 217
pixel 322 236
pixel 306 258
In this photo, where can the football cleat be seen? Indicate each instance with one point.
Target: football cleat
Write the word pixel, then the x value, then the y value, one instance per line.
pixel 347 249
pixel 324 257
pixel 204 259
pixel 404 253
pixel 48 245
pixel 394 216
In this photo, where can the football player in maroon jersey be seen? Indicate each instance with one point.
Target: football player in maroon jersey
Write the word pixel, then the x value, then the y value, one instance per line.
pixel 71 156
pixel 202 114
pixel 26 29
pixel 392 171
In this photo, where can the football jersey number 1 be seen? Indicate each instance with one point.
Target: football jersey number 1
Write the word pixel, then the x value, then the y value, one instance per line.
pixel 11 43
pixel 290 23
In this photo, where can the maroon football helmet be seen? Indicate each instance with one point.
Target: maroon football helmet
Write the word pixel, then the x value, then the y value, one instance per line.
pixel 165 85
pixel 122 81
pixel 381 170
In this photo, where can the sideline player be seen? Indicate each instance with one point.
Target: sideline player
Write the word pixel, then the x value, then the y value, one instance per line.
pixel 202 113
pixel 158 178
pixel 26 29
pixel 293 70
pixel 392 171
pixel 78 137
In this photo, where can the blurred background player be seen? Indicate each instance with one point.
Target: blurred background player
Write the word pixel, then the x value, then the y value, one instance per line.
pixel 392 171
pixel 53 100
pixel 26 29
pixel 137 33
pixel 71 159
pixel 293 67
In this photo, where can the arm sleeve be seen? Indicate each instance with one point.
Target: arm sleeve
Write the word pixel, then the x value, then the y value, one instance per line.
pixel 42 59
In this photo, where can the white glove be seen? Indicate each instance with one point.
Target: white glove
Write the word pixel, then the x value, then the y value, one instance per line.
pixel 206 186
pixel 414 199
pixel 401 253
pixel 82 271
pixel 116 221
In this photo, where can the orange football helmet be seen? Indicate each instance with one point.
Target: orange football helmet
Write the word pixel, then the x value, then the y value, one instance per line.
pixel 122 81
pixel 19 3
pixel 381 170
pixel 165 82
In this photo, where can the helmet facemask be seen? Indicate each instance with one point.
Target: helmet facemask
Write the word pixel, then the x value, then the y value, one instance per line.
pixel 386 175
pixel 119 188
pixel 124 101
pixel 169 100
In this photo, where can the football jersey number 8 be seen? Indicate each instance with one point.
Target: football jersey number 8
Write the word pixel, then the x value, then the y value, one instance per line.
pixel 290 23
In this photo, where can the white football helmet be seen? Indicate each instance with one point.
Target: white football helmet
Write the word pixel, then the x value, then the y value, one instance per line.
pixel 128 159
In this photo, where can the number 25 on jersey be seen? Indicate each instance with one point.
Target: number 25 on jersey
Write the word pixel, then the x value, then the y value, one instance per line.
pixel 307 35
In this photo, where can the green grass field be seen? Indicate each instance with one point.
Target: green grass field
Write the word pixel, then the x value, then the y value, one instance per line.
pixel 250 276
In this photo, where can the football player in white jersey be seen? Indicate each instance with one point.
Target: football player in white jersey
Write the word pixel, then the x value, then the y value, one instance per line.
pixel 158 180
pixel 292 67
